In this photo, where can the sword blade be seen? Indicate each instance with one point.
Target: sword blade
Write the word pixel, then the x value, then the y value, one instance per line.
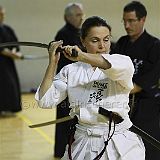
pixel 33 57
pixel 35 44
pixel 154 142
pixel 60 120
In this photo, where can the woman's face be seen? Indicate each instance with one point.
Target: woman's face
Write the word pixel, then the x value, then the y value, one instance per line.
pixel 97 40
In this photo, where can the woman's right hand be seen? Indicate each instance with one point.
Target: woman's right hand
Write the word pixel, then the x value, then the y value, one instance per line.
pixel 53 55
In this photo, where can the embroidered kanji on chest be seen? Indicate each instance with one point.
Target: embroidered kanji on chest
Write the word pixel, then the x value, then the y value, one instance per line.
pixel 137 64
pixel 98 92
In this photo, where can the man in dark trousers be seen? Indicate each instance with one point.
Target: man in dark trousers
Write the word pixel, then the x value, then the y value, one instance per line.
pixel 144 50
pixel 10 96
pixel 70 34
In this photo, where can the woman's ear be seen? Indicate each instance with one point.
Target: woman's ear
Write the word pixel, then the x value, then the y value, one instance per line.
pixel 83 45
pixel 82 41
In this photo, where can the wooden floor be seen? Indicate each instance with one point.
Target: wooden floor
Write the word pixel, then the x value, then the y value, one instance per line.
pixel 19 142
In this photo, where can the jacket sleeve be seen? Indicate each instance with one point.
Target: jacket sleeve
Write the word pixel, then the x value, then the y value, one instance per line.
pixel 56 93
pixel 121 70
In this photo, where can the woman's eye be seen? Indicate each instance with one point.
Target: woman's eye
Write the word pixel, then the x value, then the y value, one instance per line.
pixel 94 40
pixel 106 40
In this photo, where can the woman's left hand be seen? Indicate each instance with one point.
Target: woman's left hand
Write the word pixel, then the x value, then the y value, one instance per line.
pixel 68 52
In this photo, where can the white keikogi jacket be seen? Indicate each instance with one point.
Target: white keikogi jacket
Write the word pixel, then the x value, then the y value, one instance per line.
pixel 88 89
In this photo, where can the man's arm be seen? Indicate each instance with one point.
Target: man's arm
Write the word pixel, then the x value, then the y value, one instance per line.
pixel 136 89
pixel 11 53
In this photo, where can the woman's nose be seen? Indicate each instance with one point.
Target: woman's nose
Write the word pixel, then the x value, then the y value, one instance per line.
pixel 101 45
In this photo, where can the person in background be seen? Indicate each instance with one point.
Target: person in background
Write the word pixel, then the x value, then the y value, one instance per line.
pixel 70 34
pixel 98 88
pixel 144 50
pixel 10 95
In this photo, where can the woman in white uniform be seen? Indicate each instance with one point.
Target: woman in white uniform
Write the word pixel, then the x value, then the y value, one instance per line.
pixel 98 86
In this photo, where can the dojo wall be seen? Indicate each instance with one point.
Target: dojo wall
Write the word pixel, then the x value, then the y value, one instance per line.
pixel 39 20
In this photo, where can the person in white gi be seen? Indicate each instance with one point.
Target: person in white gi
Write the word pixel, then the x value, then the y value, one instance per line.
pixel 97 80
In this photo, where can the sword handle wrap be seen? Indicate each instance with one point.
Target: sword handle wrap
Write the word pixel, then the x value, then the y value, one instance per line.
pixel 59 49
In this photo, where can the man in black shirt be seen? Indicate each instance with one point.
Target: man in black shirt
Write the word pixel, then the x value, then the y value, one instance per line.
pixel 144 50
pixel 10 96
pixel 70 34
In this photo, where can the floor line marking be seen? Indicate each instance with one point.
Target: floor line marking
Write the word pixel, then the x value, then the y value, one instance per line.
pixel 42 133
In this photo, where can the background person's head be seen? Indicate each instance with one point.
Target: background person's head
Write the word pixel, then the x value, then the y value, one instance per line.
pixel 73 14
pixel 2 14
pixel 95 35
pixel 134 15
